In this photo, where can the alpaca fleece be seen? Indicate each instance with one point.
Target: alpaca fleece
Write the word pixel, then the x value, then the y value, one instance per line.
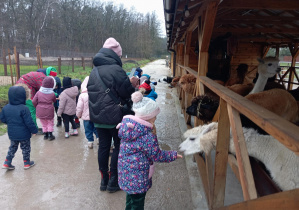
pixel 187 82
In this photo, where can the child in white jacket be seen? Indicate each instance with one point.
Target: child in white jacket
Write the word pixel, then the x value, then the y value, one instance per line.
pixel 82 111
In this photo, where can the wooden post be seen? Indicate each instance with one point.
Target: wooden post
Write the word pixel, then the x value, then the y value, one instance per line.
pixel 59 65
pixel 37 57
pixel 40 57
pixel 4 62
pixel 16 62
pixel 73 65
pixel 83 63
pixel 18 66
pixel 10 67
pixel 294 51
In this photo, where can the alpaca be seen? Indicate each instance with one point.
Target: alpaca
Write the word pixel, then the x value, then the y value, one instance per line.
pixel 187 82
pixel 267 68
pixel 175 81
pixel 281 162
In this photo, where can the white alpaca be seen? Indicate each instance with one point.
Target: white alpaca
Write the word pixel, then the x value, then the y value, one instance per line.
pixel 267 68
pixel 282 163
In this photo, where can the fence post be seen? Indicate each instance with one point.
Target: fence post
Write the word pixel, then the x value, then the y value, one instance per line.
pixel 40 57
pixel 73 65
pixel 10 67
pixel 59 65
pixel 83 63
pixel 4 62
pixel 18 66
pixel 16 62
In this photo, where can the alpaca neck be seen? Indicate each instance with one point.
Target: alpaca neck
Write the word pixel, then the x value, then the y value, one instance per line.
pixel 260 84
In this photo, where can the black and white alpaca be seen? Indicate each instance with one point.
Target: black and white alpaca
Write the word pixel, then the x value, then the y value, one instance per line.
pixel 282 163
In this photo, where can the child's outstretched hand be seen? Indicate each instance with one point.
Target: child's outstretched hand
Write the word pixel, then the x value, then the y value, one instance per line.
pixel 179 156
pixel 34 134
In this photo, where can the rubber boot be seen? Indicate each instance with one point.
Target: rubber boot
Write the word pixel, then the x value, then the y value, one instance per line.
pixel 51 136
pixel 113 182
pixel 104 181
pixel 46 136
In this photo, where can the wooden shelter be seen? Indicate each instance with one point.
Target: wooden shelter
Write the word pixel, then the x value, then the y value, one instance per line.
pixel 212 37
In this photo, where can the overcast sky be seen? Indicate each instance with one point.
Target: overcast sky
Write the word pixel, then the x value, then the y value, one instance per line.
pixel 145 6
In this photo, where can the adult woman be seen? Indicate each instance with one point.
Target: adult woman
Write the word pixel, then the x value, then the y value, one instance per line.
pixel 104 112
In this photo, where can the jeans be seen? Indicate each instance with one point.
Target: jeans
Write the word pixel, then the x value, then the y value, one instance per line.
pixel 90 130
pixel 25 146
pixel 135 201
pixel 105 137
pixel 68 119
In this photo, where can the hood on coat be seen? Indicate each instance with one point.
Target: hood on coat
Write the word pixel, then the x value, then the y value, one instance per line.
pixel 72 91
pixel 49 82
pixel 77 82
pixel 84 85
pixel 27 90
pixel 17 95
pixel 133 127
pixel 106 57
pixel 58 82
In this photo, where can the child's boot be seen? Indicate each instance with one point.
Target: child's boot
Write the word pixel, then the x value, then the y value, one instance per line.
pixel 46 136
pixel 58 123
pixel 51 136
pixel 74 132
pixel 28 164
pixel 66 135
pixel 104 181
pixel 90 144
pixel 113 182
pixel 7 165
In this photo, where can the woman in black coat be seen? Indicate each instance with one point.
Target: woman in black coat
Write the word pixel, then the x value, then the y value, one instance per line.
pixel 103 110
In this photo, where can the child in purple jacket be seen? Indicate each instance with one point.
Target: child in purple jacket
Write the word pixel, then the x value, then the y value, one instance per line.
pixel 43 102
pixel 138 150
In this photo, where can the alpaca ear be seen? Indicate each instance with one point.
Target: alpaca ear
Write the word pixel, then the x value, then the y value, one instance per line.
pixel 208 128
pixel 260 60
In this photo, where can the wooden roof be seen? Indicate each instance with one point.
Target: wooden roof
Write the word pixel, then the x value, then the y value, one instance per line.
pixel 266 21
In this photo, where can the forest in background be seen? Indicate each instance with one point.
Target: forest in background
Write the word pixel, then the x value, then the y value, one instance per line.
pixel 79 25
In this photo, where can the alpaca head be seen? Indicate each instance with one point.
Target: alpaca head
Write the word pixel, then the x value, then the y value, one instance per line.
pixel 268 67
pixel 199 139
pixel 203 107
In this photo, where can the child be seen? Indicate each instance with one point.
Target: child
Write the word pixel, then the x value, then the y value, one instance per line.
pixel 83 111
pixel 57 91
pixel 138 150
pixel 20 126
pixel 77 82
pixel 67 106
pixel 147 90
pixel 43 102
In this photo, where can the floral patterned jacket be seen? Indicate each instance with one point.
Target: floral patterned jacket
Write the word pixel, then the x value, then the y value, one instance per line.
pixel 138 149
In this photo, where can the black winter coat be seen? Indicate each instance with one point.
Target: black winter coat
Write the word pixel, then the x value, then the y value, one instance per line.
pixel 102 109
pixel 17 116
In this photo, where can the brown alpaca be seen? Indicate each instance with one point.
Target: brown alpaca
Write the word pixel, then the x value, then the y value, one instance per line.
pixel 187 82
pixel 175 81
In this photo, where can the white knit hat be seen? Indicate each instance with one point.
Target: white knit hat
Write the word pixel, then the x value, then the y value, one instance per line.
pixel 144 108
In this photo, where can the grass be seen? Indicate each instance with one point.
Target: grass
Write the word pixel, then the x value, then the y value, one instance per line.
pixel 66 71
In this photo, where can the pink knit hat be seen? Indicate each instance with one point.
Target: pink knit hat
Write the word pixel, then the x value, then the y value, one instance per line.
pixel 144 108
pixel 112 44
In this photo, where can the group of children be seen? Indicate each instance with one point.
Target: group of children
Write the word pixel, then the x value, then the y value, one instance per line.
pixel 139 144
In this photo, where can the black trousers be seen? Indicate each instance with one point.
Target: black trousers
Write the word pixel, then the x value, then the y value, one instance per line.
pixel 135 201
pixel 105 138
pixel 58 118
pixel 67 119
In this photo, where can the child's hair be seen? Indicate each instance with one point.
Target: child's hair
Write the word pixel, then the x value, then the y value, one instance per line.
pixel 144 108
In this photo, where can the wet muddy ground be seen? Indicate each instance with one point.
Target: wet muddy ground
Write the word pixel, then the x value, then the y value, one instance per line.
pixel 66 173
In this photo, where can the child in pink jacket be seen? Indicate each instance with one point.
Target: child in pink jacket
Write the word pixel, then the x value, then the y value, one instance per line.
pixel 43 102
pixel 67 106
pixel 82 111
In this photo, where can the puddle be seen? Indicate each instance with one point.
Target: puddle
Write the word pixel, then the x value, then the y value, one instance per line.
pixel 165 147
pixel 168 96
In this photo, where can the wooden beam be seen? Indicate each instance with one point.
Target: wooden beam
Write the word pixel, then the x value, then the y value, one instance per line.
pixel 223 137
pixel 256 18
pixel 203 174
pixel 208 26
pixel 256 30
pixel 277 201
pixel 274 21
pixel 261 4
pixel 245 172
pixel 284 131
